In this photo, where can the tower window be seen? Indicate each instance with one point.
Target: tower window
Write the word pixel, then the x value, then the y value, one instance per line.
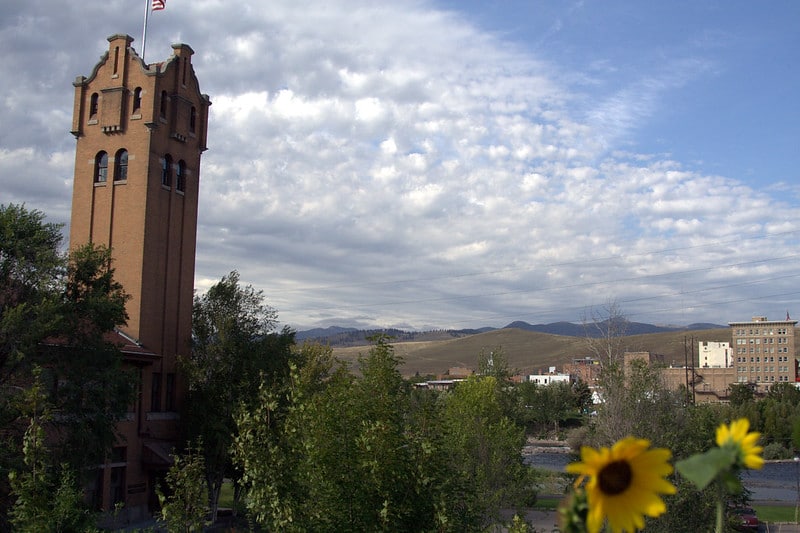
pixel 93 105
pixel 181 177
pixel 155 393
pixel 169 399
pixel 101 167
pixel 193 119
pixel 163 108
pixel 137 99
pixel 121 165
pixel 166 171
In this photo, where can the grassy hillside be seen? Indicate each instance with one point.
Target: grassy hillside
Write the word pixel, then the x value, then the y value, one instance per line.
pixel 527 351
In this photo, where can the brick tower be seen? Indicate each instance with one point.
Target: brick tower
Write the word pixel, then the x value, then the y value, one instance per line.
pixel 140 131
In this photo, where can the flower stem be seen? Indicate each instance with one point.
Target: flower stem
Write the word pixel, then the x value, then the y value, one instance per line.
pixel 720 508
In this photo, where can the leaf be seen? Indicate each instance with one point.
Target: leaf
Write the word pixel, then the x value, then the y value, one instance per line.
pixel 703 468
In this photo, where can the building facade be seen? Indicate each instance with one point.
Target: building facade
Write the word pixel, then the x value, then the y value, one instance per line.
pixel 140 131
pixel 764 351
pixel 714 354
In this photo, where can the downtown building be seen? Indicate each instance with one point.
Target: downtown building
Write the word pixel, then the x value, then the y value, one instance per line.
pixel 764 351
pixel 140 130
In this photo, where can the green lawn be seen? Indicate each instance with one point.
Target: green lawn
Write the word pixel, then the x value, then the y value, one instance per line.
pixel 775 513
pixel 546 503
pixel 226 495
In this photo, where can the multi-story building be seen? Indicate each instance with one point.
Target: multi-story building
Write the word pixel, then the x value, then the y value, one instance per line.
pixel 140 131
pixel 586 369
pixel 714 354
pixel 764 351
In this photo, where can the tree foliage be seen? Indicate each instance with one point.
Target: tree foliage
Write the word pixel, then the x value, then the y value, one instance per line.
pixel 48 498
pixel 545 408
pixel 184 506
pixel 235 349
pixel 336 450
pixel 55 313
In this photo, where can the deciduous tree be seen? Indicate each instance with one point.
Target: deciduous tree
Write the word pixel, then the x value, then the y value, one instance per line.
pixel 235 349
pixel 55 313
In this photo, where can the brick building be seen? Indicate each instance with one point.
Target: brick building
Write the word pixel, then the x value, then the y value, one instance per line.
pixel 140 131
pixel 764 351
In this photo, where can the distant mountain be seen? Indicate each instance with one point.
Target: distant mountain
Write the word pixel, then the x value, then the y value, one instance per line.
pixel 338 336
pixel 600 329
pixel 322 333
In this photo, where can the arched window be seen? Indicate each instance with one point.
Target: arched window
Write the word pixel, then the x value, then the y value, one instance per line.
pixel 166 171
pixel 93 105
pixel 101 167
pixel 180 179
pixel 163 104
pixel 121 165
pixel 192 119
pixel 137 99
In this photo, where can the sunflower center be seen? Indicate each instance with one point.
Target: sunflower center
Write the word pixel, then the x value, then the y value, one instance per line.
pixel 615 477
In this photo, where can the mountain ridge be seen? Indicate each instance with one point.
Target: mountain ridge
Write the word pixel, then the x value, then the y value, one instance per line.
pixel 342 336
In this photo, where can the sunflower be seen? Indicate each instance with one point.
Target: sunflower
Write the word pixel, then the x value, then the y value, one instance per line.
pixel 736 436
pixel 624 483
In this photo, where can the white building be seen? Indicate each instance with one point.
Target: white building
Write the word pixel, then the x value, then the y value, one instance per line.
pixel 713 354
pixel 547 379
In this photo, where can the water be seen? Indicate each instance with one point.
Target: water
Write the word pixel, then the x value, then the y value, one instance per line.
pixel 775 482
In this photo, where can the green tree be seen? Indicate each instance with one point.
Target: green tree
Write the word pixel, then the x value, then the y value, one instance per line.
pixel 184 505
pixel 269 445
pixel 30 266
pixel 90 385
pixel 47 499
pixel 741 393
pixel 235 348
pixel 784 392
pixel 335 450
pixel 73 303
pixel 359 462
pixel 484 446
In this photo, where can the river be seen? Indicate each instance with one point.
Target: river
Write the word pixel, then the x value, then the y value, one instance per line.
pixel 776 482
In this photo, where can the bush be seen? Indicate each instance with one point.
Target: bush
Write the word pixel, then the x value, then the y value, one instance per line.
pixel 776 450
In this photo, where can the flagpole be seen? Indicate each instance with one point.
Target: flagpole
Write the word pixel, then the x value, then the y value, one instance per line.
pixel 144 31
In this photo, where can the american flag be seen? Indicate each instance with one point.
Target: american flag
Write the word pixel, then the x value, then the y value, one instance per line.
pixel 158 5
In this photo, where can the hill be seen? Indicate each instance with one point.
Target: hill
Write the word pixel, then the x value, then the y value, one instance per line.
pixel 528 351
pixel 336 336
pixel 340 337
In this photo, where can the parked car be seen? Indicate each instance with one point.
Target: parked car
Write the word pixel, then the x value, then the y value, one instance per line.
pixel 745 518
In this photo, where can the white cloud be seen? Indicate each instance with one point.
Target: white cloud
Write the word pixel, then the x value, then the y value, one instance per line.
pixel 392 164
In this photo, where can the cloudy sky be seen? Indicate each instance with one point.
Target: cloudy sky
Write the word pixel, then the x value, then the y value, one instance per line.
pixel 454 164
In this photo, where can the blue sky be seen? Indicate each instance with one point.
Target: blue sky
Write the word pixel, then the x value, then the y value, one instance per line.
pixel 440 164
pixel 716 81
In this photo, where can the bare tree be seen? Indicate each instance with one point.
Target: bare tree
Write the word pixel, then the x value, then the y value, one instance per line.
pixel 605 329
